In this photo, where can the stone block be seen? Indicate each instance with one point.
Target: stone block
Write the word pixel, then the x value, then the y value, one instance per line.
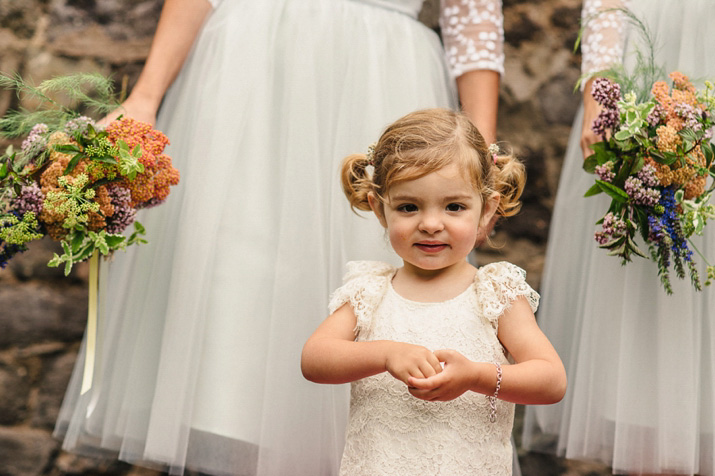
pixel 14 395
pixel 25 452
pixel 34 312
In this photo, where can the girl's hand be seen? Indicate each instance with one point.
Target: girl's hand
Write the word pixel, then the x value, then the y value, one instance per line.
pixel 404 361
pixel 456 378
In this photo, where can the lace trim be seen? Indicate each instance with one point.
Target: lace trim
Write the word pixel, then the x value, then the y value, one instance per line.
pixel 603 39
pixel 473 35
pixel 497 286
pixel 365 283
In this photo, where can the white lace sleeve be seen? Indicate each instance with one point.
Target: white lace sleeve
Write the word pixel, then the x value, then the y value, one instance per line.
pixel 603 36
pixel 214 3
pixel 473 35
pixel 365 283
pixel 498 285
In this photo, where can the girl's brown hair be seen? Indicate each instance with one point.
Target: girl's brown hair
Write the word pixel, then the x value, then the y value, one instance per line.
pixel 423 142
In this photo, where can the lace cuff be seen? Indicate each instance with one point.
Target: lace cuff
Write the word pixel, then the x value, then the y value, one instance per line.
pixel 498 285
pixel 473 35
pixel 365 283
pixel 603 38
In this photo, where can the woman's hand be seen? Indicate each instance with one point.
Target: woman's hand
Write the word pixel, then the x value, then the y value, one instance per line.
pixel 591 110
pixel 133 107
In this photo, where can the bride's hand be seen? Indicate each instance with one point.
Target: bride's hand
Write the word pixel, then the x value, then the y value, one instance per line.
pixel 591 110
pixel 133 107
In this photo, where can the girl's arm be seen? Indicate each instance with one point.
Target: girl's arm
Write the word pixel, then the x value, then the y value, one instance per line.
pixel 331 354
pixel 537 377
pixel 179 24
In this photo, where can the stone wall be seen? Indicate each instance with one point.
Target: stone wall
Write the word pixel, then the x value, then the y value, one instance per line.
pixel 42 313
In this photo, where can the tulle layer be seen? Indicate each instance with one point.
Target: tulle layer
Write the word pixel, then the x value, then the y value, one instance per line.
pixel 640 363
pixel 202 329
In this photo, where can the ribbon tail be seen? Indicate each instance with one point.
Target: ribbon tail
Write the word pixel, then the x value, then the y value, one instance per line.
pixel 91 347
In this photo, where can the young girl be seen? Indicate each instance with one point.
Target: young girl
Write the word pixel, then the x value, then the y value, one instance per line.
pixel 437 329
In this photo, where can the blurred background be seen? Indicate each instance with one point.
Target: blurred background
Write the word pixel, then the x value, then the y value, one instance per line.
pixel 43 313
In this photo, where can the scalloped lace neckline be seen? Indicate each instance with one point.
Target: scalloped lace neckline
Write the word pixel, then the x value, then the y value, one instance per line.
pixel 459 296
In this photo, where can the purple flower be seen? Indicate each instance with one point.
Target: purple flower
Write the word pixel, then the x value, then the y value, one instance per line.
pixel 35 141
pixel 605 172
pixel 124 214
pixel 648 175
pixel 640 194
pixel 607 119
pixel 78 124
pixel 690 115
pixel 611 228
pixel 29 200
pixel 656 115
pixel 606 93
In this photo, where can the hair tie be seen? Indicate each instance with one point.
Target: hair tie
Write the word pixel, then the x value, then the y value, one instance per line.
pixel 370 155
pixel 494 150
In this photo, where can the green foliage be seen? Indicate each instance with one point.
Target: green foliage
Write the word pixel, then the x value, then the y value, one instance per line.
pixel 91 90
pixel 645 71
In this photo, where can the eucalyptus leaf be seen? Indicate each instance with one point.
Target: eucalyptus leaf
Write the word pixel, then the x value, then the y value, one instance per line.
pixel 67 148
pixel 706 147
pixel 594 190
pixel 589 165
pixel 73 163
pixel 612 191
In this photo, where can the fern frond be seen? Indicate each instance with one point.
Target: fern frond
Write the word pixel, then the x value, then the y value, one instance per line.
pixel 19 123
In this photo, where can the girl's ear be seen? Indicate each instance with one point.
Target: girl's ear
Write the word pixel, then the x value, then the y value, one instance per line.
pixel 488 218
pixel 489 209
pixel 377 207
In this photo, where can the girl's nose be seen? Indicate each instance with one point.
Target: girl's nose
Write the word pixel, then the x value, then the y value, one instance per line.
pixel 431 223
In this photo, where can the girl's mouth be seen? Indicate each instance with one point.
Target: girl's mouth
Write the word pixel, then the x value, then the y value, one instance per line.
pixel 431 246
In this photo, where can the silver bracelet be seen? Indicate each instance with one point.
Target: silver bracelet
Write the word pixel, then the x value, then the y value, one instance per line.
pixel 493 398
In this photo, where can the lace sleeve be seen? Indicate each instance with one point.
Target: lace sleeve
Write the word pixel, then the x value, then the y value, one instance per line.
pixel 473 35
pixel 365 283
pixel 603 36
pixel 214 3
pixel 498 285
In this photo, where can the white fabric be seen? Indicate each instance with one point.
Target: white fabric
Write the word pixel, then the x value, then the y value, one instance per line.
pixel 473 35
pixel 392 433
pixel 202 328
pixel 640 363
pixel 603 38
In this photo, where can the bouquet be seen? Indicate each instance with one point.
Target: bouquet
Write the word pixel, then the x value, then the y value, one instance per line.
pixel 654 162
pixel 72 180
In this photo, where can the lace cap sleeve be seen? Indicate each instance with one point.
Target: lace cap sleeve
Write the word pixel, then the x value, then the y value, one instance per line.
pixel 498 285
pixel 473 35
pixel 603 39
pixel 364 285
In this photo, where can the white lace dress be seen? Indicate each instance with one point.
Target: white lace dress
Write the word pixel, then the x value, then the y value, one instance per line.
pixel 392 433
pixel 202 328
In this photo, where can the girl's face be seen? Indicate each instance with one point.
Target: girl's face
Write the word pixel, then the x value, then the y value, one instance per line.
pixel 434 221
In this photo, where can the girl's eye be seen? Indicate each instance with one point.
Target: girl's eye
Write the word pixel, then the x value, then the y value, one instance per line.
pixel 407 208
pixel 455 207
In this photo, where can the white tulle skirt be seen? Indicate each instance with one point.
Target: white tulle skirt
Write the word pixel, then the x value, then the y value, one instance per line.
pixel 641 364
pixel 202 329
